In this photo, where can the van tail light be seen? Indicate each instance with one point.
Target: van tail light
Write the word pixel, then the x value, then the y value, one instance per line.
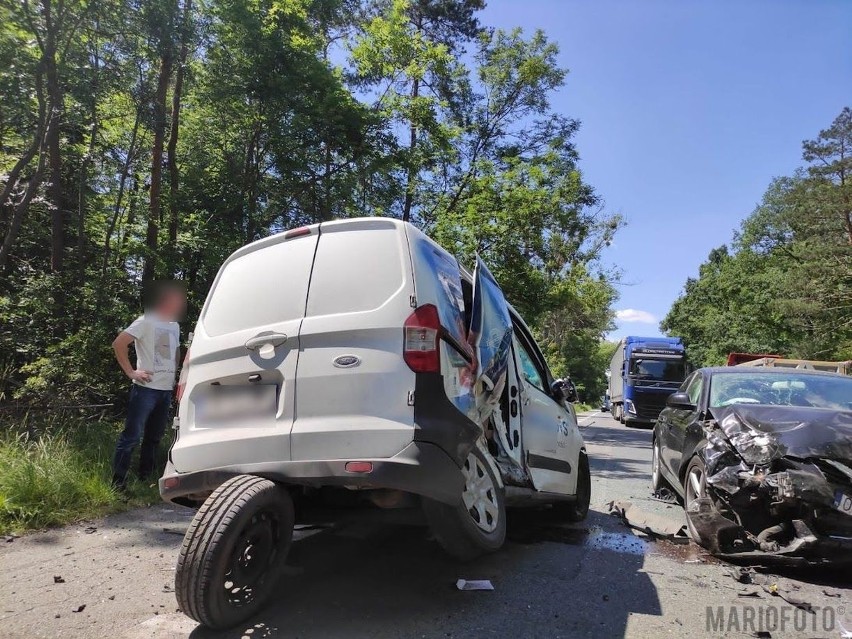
pixel 421 331
pixel 184 372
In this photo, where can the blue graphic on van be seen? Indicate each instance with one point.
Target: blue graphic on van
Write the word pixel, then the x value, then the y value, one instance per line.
pixel 491 336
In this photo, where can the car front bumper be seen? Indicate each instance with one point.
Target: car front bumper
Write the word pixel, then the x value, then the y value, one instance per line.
pixel 420 468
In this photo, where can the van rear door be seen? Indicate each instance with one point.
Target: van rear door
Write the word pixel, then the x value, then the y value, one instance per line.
pixel 241 372
pixel 354 396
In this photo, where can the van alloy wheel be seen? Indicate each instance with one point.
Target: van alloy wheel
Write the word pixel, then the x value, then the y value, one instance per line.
pixel 480 494
pixel 476 524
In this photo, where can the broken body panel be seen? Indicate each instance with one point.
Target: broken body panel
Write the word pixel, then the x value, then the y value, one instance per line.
pixel 779 481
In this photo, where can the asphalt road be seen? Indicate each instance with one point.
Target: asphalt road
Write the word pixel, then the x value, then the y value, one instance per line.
pixel 378 579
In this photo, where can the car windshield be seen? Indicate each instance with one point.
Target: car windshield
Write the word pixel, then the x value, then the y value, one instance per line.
pixel 662 370
pixel 781 389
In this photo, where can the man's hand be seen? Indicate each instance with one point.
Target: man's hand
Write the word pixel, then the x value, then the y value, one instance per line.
pixel 143 377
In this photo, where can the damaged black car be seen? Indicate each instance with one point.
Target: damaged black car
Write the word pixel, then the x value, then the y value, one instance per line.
pixel 762 460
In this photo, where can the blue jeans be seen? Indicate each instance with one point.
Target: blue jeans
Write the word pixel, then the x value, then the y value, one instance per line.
pixel 147 414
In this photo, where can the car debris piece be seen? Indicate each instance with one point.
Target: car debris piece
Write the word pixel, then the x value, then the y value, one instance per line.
pixel 57 579
pixel 474 584
pixel 652 525
pixel 80 608
pixel 664 495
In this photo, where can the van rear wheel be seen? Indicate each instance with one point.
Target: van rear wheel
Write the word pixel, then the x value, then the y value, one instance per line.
pixel 477 525
pixel 233 552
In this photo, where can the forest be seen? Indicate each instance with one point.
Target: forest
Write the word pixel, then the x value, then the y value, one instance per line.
pixel 784 284
pixel 148 139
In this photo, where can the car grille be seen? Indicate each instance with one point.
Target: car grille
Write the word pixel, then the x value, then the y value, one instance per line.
pixel 649 405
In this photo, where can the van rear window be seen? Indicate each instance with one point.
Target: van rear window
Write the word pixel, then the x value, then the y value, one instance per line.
pixel 356 270
pixel 266 286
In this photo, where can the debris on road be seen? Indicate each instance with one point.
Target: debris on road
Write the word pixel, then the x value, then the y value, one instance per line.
pixel 664 495
pixel 654 526
pixel 57 579
pixel 81 608
pixel 90 529
pixel 474 584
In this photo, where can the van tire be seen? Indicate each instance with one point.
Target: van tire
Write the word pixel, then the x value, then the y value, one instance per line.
pixel 456 528
pixel 243 513
pixel 578 509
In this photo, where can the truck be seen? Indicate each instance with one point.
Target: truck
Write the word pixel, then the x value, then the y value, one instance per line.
pixel 642 374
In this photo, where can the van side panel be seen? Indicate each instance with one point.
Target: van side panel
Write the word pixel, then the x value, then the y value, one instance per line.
pixel 353 389
pixel 445 405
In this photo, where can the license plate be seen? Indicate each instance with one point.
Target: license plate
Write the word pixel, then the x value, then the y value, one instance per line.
pixel 843 502
pixel 238 403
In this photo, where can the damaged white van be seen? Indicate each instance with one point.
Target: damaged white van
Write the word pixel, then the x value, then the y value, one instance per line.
pixel 357 355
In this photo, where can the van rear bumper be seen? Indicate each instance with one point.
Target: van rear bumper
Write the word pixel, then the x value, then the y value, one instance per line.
pixel 420 468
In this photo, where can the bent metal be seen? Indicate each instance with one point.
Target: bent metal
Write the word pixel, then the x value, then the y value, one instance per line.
pixel 784 618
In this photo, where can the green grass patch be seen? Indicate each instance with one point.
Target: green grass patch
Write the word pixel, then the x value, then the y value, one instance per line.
pixel 61 474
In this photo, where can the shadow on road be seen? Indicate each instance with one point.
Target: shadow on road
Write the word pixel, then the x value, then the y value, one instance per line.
pixel 397 582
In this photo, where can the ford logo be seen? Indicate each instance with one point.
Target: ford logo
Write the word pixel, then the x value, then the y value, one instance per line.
pixel 346 361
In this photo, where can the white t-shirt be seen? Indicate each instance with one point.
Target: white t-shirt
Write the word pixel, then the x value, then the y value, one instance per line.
pixel 156 343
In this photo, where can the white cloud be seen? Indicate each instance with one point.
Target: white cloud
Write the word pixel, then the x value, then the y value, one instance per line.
pixel 634 315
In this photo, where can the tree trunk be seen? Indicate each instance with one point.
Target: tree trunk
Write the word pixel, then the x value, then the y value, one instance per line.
pixel 411 173
pixel 155 194
pixel 122 183
pixel 55 104
pixel 17 210
pixel 171 155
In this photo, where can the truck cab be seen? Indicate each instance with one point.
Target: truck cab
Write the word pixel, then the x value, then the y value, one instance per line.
pixel 644 371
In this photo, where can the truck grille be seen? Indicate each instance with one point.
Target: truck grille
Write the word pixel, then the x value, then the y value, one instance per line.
pixel 649 405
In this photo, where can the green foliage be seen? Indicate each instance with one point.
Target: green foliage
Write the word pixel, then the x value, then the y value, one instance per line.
pixel 290 112
pixel 785 287
pixel 60 476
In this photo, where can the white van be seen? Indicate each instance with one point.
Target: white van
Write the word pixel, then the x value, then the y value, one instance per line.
pixel 357 354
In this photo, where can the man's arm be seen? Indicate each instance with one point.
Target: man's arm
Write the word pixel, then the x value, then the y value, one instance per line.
pixel 120 345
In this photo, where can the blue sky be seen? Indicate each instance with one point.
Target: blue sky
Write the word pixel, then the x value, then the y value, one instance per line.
pixel 688 110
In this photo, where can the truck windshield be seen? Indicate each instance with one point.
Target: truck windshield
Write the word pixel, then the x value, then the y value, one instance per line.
pixel 661 370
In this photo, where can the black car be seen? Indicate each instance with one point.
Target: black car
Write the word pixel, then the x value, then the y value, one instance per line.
pixel 762 459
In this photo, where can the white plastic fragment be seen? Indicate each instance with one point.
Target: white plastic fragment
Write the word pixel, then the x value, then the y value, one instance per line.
pixel 474 584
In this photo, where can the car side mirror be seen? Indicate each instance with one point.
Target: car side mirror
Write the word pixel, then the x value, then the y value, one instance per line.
pixel 680 401
pixel 564 391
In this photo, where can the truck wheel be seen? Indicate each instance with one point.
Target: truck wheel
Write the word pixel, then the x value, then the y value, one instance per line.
pixel 478 524
pixel 577 510
pixel 233 552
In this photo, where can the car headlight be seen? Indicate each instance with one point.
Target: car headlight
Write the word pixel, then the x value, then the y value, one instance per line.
pixel 754 446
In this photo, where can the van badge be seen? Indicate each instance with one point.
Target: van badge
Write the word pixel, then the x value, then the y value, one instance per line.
pixel 346 361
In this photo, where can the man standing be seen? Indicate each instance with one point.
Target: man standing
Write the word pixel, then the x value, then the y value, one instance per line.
pixel 156 339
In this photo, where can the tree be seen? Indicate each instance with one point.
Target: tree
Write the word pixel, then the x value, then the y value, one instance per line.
pixel 786 287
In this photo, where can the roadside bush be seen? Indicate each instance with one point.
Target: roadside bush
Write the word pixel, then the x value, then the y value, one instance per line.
pixel 60 475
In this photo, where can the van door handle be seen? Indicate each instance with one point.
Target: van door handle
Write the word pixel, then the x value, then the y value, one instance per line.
pixel 273 339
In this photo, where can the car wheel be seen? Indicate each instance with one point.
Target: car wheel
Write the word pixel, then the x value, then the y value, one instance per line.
pixel 478 523
pixel 657 480
pixel 233 552
pixel 694 487
pixel 577 510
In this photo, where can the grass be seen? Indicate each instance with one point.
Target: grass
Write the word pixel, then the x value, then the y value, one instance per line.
pixel 580 407
pixel 61 474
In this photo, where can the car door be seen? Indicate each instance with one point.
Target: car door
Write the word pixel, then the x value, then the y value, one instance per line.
pixel 677 423
pixel 550 436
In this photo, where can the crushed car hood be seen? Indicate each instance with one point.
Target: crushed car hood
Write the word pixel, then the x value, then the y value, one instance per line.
pixel 793 431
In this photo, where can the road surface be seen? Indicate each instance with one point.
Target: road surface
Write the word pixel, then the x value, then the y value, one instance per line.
pixel 370 580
